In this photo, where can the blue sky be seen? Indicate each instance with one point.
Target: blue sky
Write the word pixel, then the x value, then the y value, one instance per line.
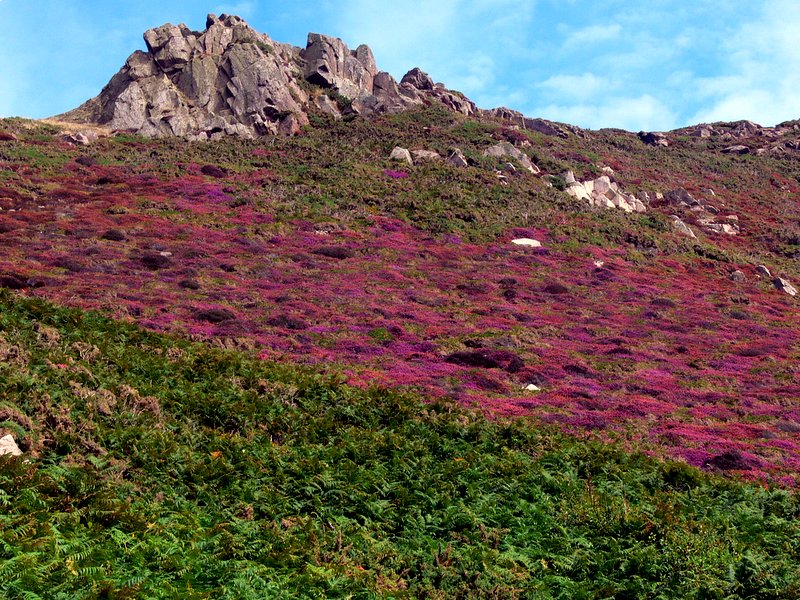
pixel 652 64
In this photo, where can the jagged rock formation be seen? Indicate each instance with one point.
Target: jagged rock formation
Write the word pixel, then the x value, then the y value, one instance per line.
pixel 704 214
pixel 604 193
pixel 505 149
pixel 542 126
pixel 231 79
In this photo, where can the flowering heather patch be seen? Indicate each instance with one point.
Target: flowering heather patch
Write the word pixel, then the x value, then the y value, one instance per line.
pixel 654 345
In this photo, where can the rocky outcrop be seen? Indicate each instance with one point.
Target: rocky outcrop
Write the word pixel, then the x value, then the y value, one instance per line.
pixel 704 214
pixel 602 192
pixel 654 138
pixel 682 228
pixel 457 158
pixel 542 126
pixel 507 150
pixel 231 79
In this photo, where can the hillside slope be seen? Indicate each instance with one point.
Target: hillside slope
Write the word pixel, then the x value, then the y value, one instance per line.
pixel 157 468
pixel 319 249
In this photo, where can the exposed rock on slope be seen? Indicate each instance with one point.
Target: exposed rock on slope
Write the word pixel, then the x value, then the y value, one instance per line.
pixel 230 79
pixel 603 192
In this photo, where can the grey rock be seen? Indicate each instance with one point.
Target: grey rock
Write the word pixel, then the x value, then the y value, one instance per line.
pixel 763 271
pixel 784 286
pixel 682 227
pixel 425 155
pixel 680 197
pixel 545 127
pixel 81 138
pixel 324 56
pixel 457 158
pixel 654 138
pixel 419 79
pixel 506 149
pixel 509 115
pixel 364 55
pixel 327 106
pixel 738 276
pixel 9 446
pixel 737 149
pixel 401 154
pixel 703 131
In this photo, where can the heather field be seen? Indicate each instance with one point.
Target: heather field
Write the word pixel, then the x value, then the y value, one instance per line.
pixel 318 250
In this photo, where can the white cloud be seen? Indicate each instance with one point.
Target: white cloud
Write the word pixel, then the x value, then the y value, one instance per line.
pixel 578 87
pixel 589 37
pixel 762 74
pixel 459 42
pixel 631 113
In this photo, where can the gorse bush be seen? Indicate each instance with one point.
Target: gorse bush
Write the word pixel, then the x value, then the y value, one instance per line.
pixel 159 468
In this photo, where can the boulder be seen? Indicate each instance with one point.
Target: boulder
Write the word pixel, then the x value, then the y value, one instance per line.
pixel 682 227
pixel 527 242
pixel 81 138
pixel 419 79
pixel 725 228
pixel 654 138
pixel 425 155
pixel 763 271
pixel 783 285
pixel 506 149
pixel 737 149
pixel 578 190
pixel 171 46
pixel 457 158
pixel 680 197
pixel 602 184
pixel 9 446
pixel 393 98
pixel 401 154
pixel 703 131
pixel 455 101
pixel 328 106
pixel 545 127
pixel 738 276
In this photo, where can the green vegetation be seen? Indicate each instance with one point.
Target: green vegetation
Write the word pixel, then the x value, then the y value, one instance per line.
pixel 160 468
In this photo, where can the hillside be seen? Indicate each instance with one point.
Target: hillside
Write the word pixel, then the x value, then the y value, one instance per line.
pixel 319 249
pixel 351 346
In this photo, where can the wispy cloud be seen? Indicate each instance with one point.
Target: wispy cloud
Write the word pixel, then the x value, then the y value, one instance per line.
pixel 631 113
pixel 591 36
pixel 459 42
pixel 578 87
pixel 762 73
